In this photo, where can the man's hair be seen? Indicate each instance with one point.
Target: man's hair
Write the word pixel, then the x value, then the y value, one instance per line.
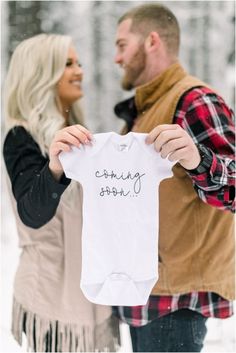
pixel 155 17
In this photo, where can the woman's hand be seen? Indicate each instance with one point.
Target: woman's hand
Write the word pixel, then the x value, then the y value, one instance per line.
pixel 64 138
pixel 174 143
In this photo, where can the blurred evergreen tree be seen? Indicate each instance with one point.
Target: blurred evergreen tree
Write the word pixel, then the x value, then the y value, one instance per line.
pixel 28 18
pixel 24 21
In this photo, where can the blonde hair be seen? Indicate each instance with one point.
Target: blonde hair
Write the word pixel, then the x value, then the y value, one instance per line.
pixel 31 100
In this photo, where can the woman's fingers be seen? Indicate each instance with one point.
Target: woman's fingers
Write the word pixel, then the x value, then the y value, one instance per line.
pixel 74 135
pixel 69 138
pixel 62 142
pixel 85 131
pixel 57 147
pixel 81 133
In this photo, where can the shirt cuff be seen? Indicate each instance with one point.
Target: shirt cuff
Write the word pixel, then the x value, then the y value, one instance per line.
pixel 56 186
pixel 206 161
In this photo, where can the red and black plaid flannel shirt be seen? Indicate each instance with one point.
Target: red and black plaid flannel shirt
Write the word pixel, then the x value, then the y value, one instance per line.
pixel 209 121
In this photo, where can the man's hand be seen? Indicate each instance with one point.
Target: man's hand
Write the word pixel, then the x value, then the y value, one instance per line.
pixel 174 143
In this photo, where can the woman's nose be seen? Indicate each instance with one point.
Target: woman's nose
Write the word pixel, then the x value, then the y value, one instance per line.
pixel 78 70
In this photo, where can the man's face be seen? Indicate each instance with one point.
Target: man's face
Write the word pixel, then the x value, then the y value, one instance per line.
pixel 130 55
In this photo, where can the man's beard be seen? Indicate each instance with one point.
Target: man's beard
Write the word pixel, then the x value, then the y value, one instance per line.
pixel 134 69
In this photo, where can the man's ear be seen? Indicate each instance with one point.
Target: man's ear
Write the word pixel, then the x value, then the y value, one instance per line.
pixel 152 41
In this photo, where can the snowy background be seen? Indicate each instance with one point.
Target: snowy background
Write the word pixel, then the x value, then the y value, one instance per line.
pixel 207 51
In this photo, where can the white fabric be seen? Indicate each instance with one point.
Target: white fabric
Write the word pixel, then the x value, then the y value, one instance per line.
pixel 120 176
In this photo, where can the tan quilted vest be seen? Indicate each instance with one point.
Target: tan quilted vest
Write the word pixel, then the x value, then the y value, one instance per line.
pixel 196 241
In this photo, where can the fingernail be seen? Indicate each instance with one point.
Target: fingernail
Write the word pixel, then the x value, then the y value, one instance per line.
pixel 88 142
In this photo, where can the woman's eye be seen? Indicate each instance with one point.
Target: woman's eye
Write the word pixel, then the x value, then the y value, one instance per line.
pixel 70 63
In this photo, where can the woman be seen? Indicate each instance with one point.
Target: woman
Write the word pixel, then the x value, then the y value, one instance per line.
pixel 43 86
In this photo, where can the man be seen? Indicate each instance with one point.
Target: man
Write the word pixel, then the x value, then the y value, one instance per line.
pixel 190 123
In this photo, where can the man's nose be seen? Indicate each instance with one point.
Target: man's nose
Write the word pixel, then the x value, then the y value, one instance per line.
pixel 117 58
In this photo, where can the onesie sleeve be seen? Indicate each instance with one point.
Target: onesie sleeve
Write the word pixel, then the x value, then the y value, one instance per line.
pixel 162 165
pixel 74 162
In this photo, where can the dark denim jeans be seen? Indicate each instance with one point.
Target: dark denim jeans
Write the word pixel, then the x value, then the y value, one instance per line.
pixel 181 331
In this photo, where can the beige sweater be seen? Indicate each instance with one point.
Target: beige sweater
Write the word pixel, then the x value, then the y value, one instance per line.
pixel 47 286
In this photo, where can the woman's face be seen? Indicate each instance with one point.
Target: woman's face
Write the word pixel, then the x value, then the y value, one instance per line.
pixel 69 86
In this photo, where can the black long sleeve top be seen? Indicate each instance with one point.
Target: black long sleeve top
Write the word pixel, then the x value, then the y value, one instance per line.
pixel 36 192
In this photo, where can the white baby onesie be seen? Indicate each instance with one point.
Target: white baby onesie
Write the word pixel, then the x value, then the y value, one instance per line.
pixel 120 176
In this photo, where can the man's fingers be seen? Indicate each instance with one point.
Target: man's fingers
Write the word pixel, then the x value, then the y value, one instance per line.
pixel 172 146
pixel 178 155
pixel 166 137
pixel 152 136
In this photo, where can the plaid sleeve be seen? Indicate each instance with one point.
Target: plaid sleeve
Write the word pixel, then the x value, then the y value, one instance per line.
pixel 209 121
